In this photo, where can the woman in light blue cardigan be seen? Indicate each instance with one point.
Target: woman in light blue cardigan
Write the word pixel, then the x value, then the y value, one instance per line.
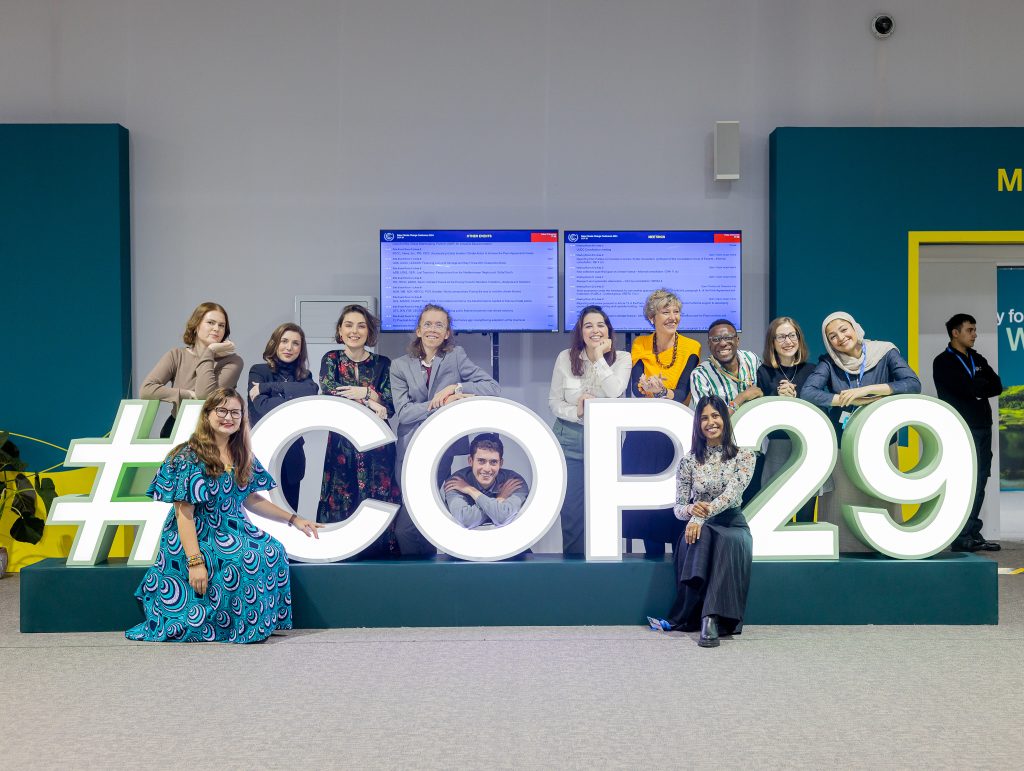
pixel 435 372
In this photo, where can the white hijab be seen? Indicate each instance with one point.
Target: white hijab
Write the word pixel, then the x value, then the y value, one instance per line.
pixel 875 350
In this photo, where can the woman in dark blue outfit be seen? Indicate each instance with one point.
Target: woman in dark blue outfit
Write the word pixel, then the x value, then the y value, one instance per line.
pixel 284 375
pixel 715 551
pixel 217 577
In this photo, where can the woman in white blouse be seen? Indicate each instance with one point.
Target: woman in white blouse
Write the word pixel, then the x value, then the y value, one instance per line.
pixel 590 368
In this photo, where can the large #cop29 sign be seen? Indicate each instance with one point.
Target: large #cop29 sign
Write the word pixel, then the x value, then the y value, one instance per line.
pixel 942 482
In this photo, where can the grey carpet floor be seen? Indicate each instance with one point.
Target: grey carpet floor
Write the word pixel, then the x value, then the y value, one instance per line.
pixel 569 697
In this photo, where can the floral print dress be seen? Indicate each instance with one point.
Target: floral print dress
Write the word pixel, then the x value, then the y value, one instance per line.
pixel 350 476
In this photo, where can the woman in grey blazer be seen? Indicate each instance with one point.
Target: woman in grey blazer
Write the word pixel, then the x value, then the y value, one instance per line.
pixel 435 372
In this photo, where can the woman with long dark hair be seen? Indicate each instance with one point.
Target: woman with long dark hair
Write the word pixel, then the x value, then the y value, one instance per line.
pixel 714 552
pixel 217 577
pixel 283 375
pixel 590 368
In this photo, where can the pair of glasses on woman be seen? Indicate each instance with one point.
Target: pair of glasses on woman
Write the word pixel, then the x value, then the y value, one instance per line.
pixel 224 412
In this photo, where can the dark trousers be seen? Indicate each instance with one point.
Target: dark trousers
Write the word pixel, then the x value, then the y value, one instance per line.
pixel 572 516
pixel 983 446
pixel 411 542
pixel 293 469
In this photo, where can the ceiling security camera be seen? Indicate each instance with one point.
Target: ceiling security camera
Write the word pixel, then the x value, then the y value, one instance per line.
pixel 882 26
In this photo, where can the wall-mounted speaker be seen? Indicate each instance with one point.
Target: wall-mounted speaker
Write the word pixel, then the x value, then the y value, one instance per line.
pixel 727 149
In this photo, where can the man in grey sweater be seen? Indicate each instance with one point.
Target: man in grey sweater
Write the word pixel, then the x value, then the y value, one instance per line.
pixel 484 493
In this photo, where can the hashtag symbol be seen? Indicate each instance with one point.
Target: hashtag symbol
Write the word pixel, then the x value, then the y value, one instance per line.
pixel 97 515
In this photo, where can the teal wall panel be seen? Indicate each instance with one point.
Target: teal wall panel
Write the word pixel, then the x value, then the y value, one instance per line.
pixel 842 201
pixel 65 248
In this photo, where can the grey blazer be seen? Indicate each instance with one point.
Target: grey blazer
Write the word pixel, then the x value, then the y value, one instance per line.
pixel 412 397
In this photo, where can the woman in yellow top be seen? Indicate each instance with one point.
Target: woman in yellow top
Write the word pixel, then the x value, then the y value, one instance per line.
pixel 662 363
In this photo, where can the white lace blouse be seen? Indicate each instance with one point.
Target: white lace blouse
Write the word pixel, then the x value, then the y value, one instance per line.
pixel 718 482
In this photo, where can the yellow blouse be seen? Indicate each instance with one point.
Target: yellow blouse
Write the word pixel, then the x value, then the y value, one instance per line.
pixel 643 350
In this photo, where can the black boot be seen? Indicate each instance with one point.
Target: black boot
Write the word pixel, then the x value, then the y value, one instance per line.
pixel 708 632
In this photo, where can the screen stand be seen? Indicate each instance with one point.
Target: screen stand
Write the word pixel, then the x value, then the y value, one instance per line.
pixel 495 345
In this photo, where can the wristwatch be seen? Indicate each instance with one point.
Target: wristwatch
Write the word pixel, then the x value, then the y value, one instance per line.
pixel 458 388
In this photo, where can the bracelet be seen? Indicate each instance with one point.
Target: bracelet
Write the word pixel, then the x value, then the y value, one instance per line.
pixel 291 520
pixel 196 559
pixel 732 405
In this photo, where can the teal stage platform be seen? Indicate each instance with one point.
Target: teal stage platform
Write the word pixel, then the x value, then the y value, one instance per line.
pixel 547 590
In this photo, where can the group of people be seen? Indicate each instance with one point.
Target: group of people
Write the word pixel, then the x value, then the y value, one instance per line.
pixel 196 590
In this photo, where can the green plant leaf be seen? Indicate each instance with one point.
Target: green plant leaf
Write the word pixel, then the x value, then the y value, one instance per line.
pixel 47 491
pixel 27 530
pixel 24 503
pixel 10 456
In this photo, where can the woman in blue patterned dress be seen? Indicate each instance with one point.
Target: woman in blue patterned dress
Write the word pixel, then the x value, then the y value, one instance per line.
pixel 217 577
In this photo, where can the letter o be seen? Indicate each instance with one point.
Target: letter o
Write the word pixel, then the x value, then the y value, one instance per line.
pixel 270 439
pixel 423 499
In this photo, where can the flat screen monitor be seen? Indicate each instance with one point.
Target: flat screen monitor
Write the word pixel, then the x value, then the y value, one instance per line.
pixel 490 280
pixel 618 269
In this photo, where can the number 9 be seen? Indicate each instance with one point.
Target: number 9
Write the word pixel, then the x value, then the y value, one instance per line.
pixel 942 482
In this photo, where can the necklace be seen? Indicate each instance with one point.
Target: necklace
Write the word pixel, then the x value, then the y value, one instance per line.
pixel 786 374
pixel 675 351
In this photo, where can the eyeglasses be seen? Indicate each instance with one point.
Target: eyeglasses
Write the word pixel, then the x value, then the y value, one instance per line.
pixel 788 336
pixel 223 412
pixel 439 325
pixel 723 339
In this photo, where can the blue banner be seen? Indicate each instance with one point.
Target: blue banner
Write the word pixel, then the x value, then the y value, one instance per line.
pixel 1010 319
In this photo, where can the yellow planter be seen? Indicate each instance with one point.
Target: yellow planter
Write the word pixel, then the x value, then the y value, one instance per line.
pixel 57 539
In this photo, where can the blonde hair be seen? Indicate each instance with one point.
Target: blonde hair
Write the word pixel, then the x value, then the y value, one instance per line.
pixel 657 300
pixel 416 345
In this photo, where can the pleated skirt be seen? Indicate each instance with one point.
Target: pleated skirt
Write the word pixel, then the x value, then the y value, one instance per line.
pixel 713 574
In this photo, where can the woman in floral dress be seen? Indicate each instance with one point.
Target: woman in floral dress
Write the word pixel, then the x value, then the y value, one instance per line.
pixel 350 476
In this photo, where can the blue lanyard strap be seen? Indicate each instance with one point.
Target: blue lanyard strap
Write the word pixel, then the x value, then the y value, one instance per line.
pixel 971 370
pixel 860 377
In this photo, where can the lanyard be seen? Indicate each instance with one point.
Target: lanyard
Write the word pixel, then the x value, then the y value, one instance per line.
pixel 738 378
pixel 860 377
pixel 971 370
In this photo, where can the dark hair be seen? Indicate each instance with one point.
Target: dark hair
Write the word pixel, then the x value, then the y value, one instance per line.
pixel 197 317
pixel 270 352
pixel 958 321
pixel 717 322
pixel 488 441
pixel 699 443
pixel 577 345
pixel 372 325
pixel 770 358
pixel 416 345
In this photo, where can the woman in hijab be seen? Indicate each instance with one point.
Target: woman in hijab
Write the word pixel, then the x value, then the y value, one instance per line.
pixel 855 372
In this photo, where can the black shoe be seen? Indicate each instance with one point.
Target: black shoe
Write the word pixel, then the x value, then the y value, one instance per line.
pixel 708 632
pixel 986 546
pixel 961 544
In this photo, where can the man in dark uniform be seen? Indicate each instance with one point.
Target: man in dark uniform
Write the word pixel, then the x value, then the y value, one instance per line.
pixel 966 381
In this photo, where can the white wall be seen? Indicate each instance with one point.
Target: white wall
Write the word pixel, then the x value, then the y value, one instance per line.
pixel 961 278
pixel 271 141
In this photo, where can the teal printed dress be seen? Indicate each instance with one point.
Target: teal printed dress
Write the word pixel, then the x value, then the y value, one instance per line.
pixel 249 592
